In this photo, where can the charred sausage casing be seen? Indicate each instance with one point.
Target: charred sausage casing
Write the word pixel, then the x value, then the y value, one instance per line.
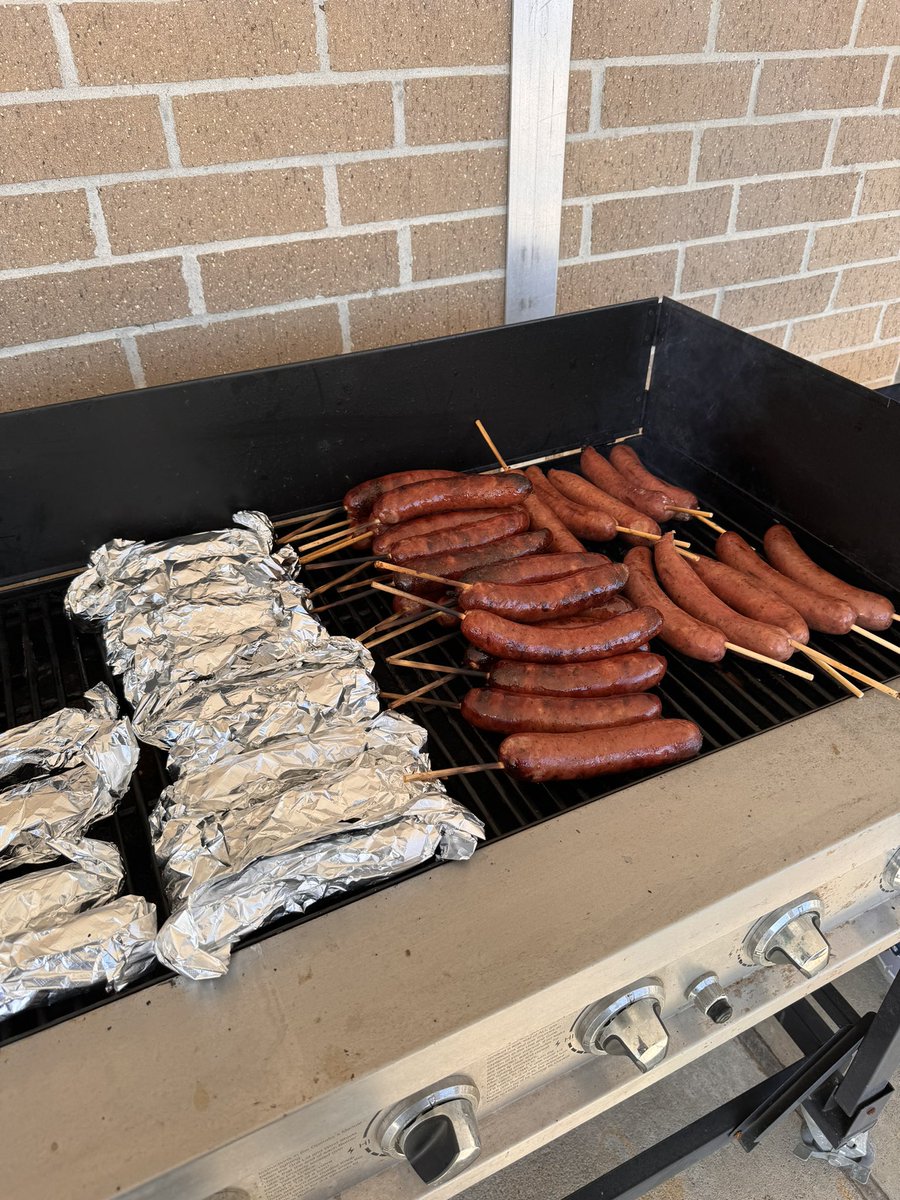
pixel 539 757
pixel 560 597
pixel 681 631
pixel 506 639
pixel 448 495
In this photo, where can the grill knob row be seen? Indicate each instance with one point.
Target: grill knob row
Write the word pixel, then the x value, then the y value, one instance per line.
pixel 792 936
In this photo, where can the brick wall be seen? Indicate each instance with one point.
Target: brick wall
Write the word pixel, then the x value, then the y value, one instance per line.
pixel 195 186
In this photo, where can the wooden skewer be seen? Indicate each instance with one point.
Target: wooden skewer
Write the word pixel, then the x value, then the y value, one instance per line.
pixel 691 512
pixel 493 449
pixel 895 616
pixel 334 548
pixel 298 534
pixel 438 641
pixel 706 521
pixel 426 687
pixel 337 603
pixel 654 537
pixel 333 537
pixel 772 662
pixel 422 699
pixel 311 520
pixel 448 771
pixel 325 587
pixel 383 587
pixel 395 569
pixel 360 583
pixel 345 562
pixel 829 670
pixel 382 624
pixel 408 628
pixel 873 637
pixel 821 657
pixel 396 661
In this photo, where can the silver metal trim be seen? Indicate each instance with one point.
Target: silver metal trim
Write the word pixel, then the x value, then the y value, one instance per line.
pixel 767 933
pixel 388 1128
pixel 890 876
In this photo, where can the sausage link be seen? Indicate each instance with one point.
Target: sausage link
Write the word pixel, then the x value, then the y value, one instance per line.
pixel 618 676
pixel 604 475
pixel 421 525
pixel 872 610
pixel 535 569
pixel 750 597
pixel 506 712
pixel 824 614
pixel 613 606
pixel 680 630
pixel 543 517
pixel 554 597
pixel 499 525
pixel 626 461
pixel 583 491
pixel 691 593
pixel 539 757
pixel 359 500
pixel 447 495
pixel 456 563
pixel 595 524
pixel 502 638
pixel 473 657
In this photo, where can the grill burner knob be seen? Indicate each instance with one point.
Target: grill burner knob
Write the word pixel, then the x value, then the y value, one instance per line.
pixel 707 994
pixel 435 1130
pixel 790 935
pixel 890 879
pixel 629 1024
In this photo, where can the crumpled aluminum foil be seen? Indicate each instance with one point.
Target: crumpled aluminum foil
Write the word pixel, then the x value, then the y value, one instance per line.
pixel 196 940
pixel 42 899
pixel 112 944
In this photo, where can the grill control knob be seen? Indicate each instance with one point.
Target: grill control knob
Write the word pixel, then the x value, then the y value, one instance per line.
pixel 628 1023
pixel 435 1130
pixel 790 935
pixel 707 994
pixel 890 879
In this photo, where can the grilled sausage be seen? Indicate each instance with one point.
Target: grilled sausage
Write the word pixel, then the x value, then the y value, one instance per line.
pixel 583 491
pixel 456 563
pixel 612 606
pixel 499 525
pixel 535 569
pixel 539 757
pixel 506 712
pixel 680 630
pixel 448 495
pixel 421 525
pixel 543 517
pixel 604 475
pixel 535 643
pixel 592 523
pixel 626 461
pixel 473 657
pixel 531 602
pixel 618 676
pixel 359 500
pixel 872 610
pixel 750 597
pixel 691 593
pixel 824 614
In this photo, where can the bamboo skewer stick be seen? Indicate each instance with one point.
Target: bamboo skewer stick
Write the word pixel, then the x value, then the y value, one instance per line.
pixel 448 771
pixel 386 637
pixel 298 534
pixel 333 537
pixel 325 587
pixel 820 656
pixel 396 661
pixel 383 587
pixel 691 512
pixel 654 537
pixel 771 662
pixel 379 625
pixel 360 583
pixel 438 641
pixel 311 520
pixel 706 521
pixel 344 562
pixel 426 687
pixel 422 699
pixel 493 449
pixel 398 570
pixel 896 616
pixel 334 548
pixel 835 675
pixel 336 603
pixel 873 637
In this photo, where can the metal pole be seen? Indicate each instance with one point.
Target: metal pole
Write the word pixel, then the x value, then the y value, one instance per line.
pixel 877 1059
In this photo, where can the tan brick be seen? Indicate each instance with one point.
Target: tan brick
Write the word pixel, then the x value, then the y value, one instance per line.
pixel 240 345
pixel 615 280
pixel 421 184
pixel 879 24
pixel 448 248
pixel 425 313
pixel 881 191
pixel 627 164
pixel 52 306
pixel 892 91
pixel 403 34
pixel 794 201
pixel 770 302
pixel 855 242
pixel 28 57
pixel 774 335
pixel 789 85
pixel 865 366
pixel 867 139
pixel 659 95
pixel 330 266
pixel 580 85
pixel 80 137
pixel 634 27
pixel 215 127
pixel 737 151
pixel 717 264
pixel 802 25
pixel 656 220
pixel 863 285
pixel 570 231
pixel 67 373
pixel 49 227
pixel 190 39
pixel 705 303
pixel 456 108
pixel 212 208
pixel 890 326
pixel 821 334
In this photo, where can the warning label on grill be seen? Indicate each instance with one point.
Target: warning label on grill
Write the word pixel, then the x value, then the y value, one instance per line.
pixel 523 1062
pixel 311 1174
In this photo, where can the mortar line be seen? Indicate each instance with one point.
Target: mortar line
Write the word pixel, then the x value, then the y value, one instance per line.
pixel 98 224
pixel 321 35
pixel 857 18
pixel 712 29
pixel 68 72
pixel 404 254
pixel 190 270
pixel 344 321
pixel 398 105
pixel 167 117
pixel 133 358
pixel 332 196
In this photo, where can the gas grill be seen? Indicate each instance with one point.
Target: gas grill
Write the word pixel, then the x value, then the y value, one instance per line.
pixel 408 1018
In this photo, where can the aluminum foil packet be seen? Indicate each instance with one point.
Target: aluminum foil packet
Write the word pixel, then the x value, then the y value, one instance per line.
pixel 112 944
pixel 196 940
pixel 42 899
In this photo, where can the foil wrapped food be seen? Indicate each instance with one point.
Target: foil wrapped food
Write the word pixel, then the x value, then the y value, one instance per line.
pixel 111 944
pixel 44 898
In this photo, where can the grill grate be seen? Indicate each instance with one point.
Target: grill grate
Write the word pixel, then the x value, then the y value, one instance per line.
pixel 47 662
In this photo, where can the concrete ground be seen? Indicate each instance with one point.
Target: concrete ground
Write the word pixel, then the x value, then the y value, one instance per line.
pixel 771 1172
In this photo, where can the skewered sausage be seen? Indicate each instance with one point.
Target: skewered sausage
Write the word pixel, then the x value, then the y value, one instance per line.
pixel 824 614
pixel 446 520
pixel 680 630
pixel 751 597
pixel 873 611
pixel 506 712
pixel 621 675
pixel 625 460
pixel 544 517
pixel 554 597
pixel 691 593
pixel 583 491
pixel 502 638
pixel 535 569
pixel 473 657
pixel 447 495
pixel 359 500
pixel 499 525
pixel 539 757
pixel 612 606
pixel 595 524
pixel 455 564
pixel 604 475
